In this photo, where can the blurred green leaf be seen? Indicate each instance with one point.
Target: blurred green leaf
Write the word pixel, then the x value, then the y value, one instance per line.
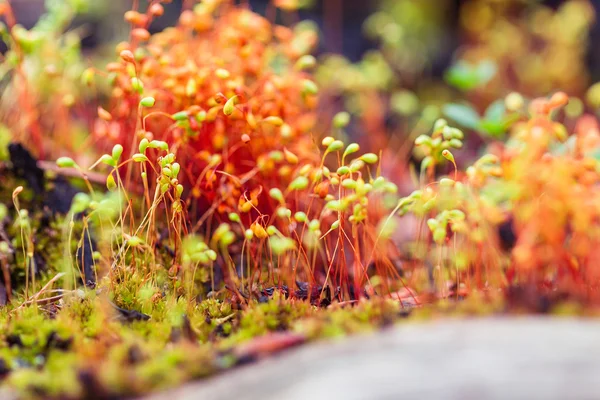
pixel 486 71
pixel 496 111
pixel 461 76
pixel 462 114
pixel 466 76
pixel 495 129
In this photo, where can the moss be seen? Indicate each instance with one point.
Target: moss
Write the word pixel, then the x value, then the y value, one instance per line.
pixel 244 195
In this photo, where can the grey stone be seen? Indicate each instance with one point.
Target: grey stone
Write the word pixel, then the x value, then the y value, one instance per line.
pixel 501 358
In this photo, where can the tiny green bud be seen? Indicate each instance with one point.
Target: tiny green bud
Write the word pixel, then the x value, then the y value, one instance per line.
pixel 446 182
pixel 309 87
pixel 110 182
pixel 276 156
pixel 426 163
pixel 417 194
pixel 343 170
pixel 280 245
pixel 138 157
pixel 341 120
pixel 305 62
pixel 457 134
pixel 116 152
pixel 137 85
pixel 456 143
pixel 143 145
pixel 108 160
pixel 440 124
pixel 222 73
pixel 158 144
pixel 423 140
pixel 357 165
pixel 65 162
pixel 233 217
pixel 300 183
pixel 334 205
pixel 273 120
pixel 300 216
pixel 456 215
pixel 447 133
pixel 314 224
pixel 276 194
pixel 327 141
pixel 134 241
pixel 212 255
pixel 352 148
pixel 175 167
pixel 448 155
pixel 488 159
pixel 147 102
pixel 180 116
pixel 191 88
pixel 349 183
pixel 335 146
pixel 439 235
pixel 283 212
pixel 369 158
pixel 429 204
pixel 87 77
pixel 229 106
pixel 227 238
pixel 201 116
pixel 432 224
pixel 390 187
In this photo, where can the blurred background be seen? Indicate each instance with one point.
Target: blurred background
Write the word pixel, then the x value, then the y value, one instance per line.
pixel 431 30
pixel 396 65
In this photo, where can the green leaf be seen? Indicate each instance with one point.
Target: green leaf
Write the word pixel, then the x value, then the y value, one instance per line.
pixel 486 71
pixel 496 111
pixel 493 128
pixel 462 76
pixel 466 76
pixel 462 114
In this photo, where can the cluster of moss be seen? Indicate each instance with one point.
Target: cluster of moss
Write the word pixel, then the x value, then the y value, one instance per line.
pixel 82 344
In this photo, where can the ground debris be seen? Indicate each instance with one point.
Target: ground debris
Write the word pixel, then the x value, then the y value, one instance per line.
pixel 266 345
pixel 129 315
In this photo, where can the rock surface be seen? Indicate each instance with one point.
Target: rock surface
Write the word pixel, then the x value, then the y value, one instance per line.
pixel 507 358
